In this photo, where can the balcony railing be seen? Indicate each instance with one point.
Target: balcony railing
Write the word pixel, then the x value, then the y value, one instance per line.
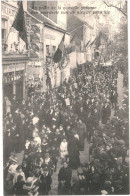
pixel 15 50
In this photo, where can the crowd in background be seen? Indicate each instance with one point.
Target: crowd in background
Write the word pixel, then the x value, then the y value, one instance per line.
pixel 54 126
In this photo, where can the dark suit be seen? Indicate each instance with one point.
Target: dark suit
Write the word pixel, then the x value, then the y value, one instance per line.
pixel 65 175
pixel 45 184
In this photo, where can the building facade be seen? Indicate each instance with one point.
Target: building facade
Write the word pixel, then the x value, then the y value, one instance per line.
pixel 45 36
pixel 14 53
pixel 82 33
pixel 52 10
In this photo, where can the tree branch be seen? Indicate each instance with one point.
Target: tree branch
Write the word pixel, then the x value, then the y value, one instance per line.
pixel 119 9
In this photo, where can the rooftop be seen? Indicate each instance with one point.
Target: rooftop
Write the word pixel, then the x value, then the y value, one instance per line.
pixel 83 19
pixel 47 22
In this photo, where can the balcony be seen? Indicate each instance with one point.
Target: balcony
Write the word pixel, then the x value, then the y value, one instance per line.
pixel 13 55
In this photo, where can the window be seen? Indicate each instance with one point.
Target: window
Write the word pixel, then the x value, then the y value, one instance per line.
pixel 41 45
pixel 3 35
pixel 4 29
pixel 47 50
pixel 54 49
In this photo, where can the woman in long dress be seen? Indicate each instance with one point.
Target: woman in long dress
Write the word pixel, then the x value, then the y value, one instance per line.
pixel 73 148
pixel 7 105
pixel 63 149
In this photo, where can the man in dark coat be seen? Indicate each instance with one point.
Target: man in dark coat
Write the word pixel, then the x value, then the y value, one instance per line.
pixel 22 135
pixel 106 112
pixel 81 130
pixel 45 182
pixel 64 178
pixel 31 90
pixel 73 148
pixel 14 104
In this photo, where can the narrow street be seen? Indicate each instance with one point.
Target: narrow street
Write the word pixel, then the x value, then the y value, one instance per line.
pixel 84 155
pixel 84 158
pixel 65 97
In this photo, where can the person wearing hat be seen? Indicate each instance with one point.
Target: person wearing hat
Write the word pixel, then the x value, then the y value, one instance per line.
pixel 31 90
pixel 19 172
pixel 73 149
pixel 37 140
pixel 23 106
pixel 12 168
pixel 57 138
pixel 64 179
pixel 7 105
pixel 106 112
pixel 14 104
pixel 45 181
pixel 18 187
pixel 10 175
pixel 54 153
pixel 82 114
pixel 47 162
pixel 81 130
pixel 22 135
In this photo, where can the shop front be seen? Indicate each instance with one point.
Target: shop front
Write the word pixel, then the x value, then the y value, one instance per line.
pixel 14 77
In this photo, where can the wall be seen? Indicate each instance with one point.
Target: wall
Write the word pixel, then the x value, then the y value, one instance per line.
pixel 80 58
pixel 74 26
pixel 43 6
pixel 72 57
pixel 53 38
pixel 62 17
pixel 36 40
pixel 8 13
pixel 15 4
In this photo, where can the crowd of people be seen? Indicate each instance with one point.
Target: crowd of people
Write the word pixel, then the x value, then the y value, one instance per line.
pixel 55 126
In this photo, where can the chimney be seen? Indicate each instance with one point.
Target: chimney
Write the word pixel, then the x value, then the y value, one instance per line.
pixel 33 4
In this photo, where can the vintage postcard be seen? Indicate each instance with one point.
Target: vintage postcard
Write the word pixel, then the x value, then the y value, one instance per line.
pixel 65 97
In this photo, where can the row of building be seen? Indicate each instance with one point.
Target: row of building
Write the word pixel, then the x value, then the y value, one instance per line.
pixel 44 33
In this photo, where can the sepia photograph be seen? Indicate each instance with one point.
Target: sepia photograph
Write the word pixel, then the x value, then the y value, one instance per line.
pixel 65 115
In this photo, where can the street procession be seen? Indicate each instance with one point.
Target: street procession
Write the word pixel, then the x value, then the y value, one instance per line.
pixel 65 98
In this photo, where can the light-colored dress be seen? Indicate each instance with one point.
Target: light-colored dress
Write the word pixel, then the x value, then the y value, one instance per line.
pixel 63 149
pixel 8 106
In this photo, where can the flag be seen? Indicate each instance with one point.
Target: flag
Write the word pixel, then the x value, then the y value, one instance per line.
pixel 104 36
pixel 98 41
pixel 19 24
pixel 71 47
pixel 58 54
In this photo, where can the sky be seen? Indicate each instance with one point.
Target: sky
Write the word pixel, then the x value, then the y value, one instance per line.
pixel 115 15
